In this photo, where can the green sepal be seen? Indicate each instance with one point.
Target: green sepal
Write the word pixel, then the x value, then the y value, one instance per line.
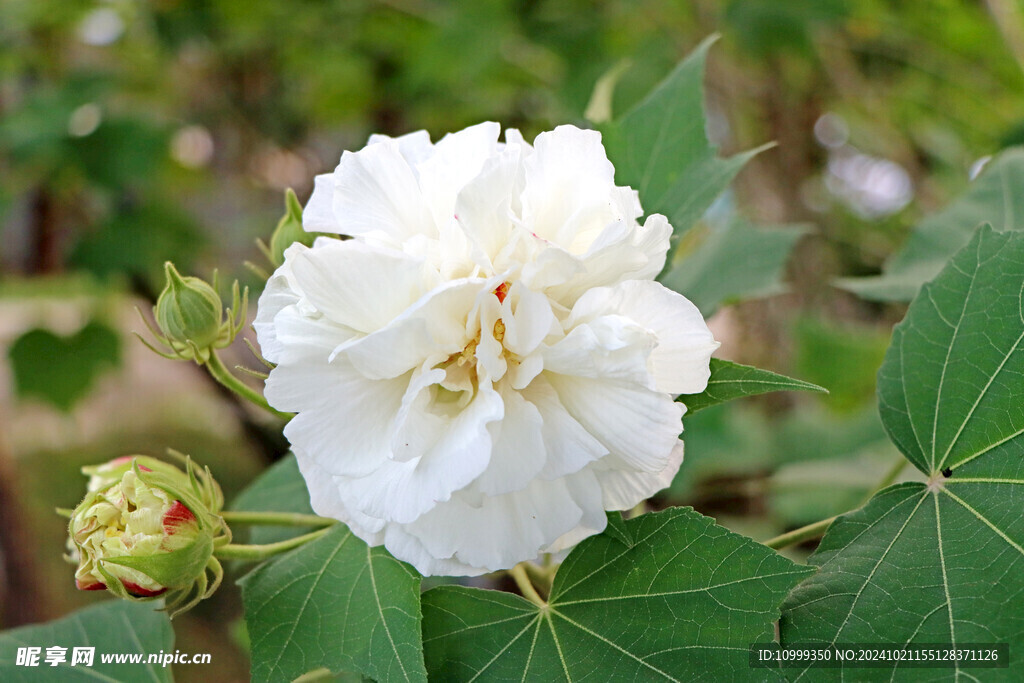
pixel 289 230
pixel 175 569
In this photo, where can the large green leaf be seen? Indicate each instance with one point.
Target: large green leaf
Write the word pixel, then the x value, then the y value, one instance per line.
pixel 732 263
pixel 335 603
pixel 682 601
pixel 730 381
pixel 661 150
pixel 280 488
pixel 942 561
pixel 111 627
pixel 994 197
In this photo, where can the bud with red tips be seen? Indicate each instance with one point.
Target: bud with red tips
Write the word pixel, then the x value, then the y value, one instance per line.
pixel 146 529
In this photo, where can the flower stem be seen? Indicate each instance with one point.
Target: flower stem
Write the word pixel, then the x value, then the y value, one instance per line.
pixel 275 518
pixel 518 574
pixel 220 373
pixel 540 577
pixel 257 553
pixel 800 535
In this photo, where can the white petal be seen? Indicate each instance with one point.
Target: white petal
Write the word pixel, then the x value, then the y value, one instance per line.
pixel 569 447
pixel 357 285
pixel 277 295
pixel 402 491
pixel 624 487
pixel 679 362
pixel 344 420
pixel 457 159
pixel 318 216
pixel 323 498
pixel 636 424
pixel 568 183
pixel 507 529
pixel 528 319
pixel 435 325
pixel 611 347
pixel 376 194
pixel 623 251
pixel 518 454
pixel 415 147
pixel 483 207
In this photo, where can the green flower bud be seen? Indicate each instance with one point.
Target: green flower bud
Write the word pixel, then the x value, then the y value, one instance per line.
pixel 189 311
pixel 146 529
pixel 289 230
pixel 190 317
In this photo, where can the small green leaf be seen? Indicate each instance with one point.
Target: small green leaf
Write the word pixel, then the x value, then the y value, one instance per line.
pixel 661 150
pixel 61 370
pixel 280 488
pixel 731 380
pixel 335 603
pixel 684 600
pixel 111 627
pixel 994 197
pixel 942 561
pixel 733 263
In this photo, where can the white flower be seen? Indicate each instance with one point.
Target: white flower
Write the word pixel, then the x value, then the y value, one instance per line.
pixel 488 365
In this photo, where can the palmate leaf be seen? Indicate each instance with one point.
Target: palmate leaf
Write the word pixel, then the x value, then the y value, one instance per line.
pixel 112 627
pixel 943 561
pixel 994 197
pixel 660 148
pixel 335 603
pixel 682 601
pixel 344 606
pixel 730 381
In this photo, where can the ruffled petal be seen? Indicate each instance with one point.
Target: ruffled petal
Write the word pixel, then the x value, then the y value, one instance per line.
pixel 376 194
pixel 403 491
pixel 638 425
pixel 568 445
pixel 518 453
pixel 433 326
pixel 344 420
pixel 509 528
pixel 680 360
pixel 623 488
pixel 342 280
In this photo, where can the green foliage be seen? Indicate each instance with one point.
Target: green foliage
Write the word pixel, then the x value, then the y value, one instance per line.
pixel 112 627
pixel 844 358
pixel 730 381
pixel 940 561
pixel 682 600
pixel 993 197
pixel 61 370
pixel 733 263
pixel 138 241
pixel 335 603
pixel 280 488
pixel 660 149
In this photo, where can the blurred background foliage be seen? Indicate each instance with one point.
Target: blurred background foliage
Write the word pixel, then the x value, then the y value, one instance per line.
pixel 134 132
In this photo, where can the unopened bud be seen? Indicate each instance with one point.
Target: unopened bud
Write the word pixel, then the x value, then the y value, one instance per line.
pixel 289 229
pixel 148 529
pixel 189 310
pixel 190 317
